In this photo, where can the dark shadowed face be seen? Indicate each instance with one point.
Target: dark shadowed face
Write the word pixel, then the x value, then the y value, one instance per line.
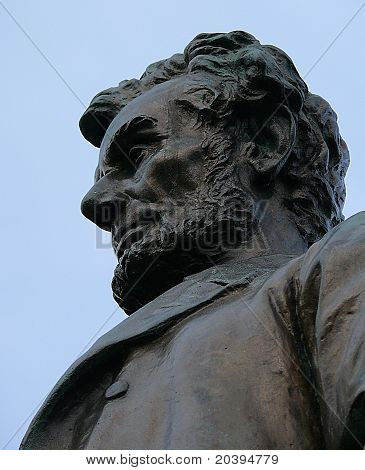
pixel 160 192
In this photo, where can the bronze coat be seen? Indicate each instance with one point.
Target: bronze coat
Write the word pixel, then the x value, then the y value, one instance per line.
pixel 268 354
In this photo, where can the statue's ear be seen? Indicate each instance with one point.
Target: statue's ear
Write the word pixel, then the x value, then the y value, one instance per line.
pixel 271 139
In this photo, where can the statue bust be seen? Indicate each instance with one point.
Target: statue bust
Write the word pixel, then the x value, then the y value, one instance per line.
pixel 221 181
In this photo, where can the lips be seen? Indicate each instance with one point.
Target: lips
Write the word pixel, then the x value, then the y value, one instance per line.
pixel 132 225
pixel 130 237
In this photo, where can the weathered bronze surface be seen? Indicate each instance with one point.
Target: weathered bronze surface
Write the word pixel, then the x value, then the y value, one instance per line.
pixel 221 180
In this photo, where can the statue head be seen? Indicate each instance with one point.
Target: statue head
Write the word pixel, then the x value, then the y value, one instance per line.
pixel 189 152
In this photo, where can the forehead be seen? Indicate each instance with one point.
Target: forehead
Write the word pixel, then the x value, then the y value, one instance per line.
pixel 155 103
pixel 161 105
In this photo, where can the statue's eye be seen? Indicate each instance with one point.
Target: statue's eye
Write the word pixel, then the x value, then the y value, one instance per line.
pixel 136 154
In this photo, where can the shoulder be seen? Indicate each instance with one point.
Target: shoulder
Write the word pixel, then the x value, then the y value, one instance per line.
pixel 343 247
pixel 331 280
pixel 331 311
pixel 350 231
pixel 333 269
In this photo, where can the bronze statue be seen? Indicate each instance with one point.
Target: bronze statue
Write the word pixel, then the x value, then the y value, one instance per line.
pixel 221 180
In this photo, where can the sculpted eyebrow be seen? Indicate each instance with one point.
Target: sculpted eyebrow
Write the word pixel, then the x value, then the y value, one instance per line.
pixel 140 130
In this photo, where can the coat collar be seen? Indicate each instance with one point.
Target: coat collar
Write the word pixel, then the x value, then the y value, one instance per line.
pixel 195 291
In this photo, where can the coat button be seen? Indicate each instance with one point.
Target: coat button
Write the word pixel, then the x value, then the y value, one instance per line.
pixel 117 389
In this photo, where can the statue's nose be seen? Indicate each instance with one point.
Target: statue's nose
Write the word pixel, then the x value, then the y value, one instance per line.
pixel 103 202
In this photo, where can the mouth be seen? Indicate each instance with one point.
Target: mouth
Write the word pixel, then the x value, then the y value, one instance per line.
pixel 132 228
pixel 130 237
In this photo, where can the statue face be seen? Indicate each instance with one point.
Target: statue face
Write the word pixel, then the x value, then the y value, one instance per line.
pixel 150 158
pixel 157 193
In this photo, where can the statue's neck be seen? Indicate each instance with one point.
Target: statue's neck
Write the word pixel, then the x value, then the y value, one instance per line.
pixel 273 233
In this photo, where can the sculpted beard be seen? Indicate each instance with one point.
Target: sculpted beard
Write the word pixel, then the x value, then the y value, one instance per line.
pixel 184 241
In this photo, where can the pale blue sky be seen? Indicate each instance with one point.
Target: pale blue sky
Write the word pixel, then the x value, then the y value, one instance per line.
pixel 55 293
